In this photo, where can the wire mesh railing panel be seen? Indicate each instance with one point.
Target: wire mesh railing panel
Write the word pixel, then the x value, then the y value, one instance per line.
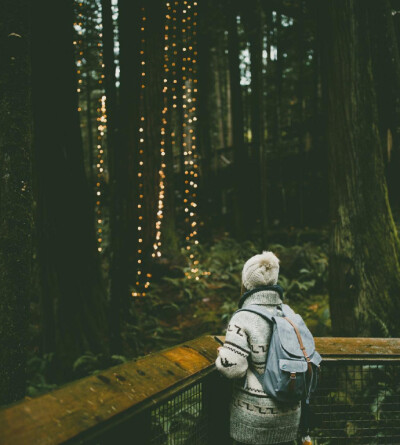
pixel 358 403
pixel 181 420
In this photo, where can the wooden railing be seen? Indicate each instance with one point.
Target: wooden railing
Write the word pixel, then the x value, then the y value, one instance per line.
pixel 140 402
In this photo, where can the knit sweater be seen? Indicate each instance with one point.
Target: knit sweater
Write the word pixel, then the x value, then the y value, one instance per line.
pixel 255 418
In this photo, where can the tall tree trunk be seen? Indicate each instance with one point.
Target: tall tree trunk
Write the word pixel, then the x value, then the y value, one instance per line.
pixel 223 91
pixel 301 110
pixel 240 155
pixel 89 123
pixel 153 106
pixel 278 112
pixel 119 284
pixel 206 113
pixel 180 92
pixel 73 295
pixel 218 99
pixel 170 240
pixel 254 28
pixel 226 82
pixel 364 249
pixel 318 159
pixel 386 69
pixel 16 219
pixel 126 160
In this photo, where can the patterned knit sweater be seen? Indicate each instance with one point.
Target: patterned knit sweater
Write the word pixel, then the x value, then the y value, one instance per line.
pixel 255 418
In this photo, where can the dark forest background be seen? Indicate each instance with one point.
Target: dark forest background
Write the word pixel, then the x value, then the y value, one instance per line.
pixel 148 148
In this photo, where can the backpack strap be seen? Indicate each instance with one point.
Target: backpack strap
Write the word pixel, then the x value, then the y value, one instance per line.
pixel 287 310
pixel 266 315
pixel 300 340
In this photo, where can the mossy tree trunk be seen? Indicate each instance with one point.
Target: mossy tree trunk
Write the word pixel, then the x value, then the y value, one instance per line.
pixel 16 219
pixel 73 295
pixel 364 248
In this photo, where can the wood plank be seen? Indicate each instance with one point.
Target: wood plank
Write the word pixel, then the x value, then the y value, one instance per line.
pixel 350 347
pixel 346 347
pixel 66 413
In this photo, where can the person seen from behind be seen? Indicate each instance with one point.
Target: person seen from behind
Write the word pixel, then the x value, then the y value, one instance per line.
pixel 255 417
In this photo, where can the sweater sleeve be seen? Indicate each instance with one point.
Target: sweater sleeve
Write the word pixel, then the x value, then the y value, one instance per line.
pixel 232 356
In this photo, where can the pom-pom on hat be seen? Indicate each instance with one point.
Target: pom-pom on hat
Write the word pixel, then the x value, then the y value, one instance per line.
pixel 260 270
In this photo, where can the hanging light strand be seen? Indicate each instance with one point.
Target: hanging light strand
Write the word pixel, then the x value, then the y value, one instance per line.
pixel 138 292
pixel 100 145
pixel 79 55
pixel 101 118
pixel 189 92
pixel 172 28
pixel 163 139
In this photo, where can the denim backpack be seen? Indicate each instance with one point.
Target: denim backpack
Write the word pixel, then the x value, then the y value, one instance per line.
pixel 292 367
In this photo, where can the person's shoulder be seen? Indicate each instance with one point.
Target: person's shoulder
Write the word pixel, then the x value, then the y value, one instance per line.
pixel 244 317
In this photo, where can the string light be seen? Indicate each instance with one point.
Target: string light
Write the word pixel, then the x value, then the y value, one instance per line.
pixel 101 134
pixel 78 43
pixel 101 119
pixel 140 205
pixel 191 158
pixel 188 137
pixel 161 187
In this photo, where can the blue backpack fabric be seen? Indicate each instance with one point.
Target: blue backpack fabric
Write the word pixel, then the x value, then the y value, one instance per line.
pixel 292 366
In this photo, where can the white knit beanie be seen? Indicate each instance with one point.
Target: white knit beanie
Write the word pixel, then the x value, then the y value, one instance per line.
pixel 260 270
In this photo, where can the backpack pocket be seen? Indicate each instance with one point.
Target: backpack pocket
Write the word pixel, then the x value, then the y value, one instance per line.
pixel 315 361
pixel 292 382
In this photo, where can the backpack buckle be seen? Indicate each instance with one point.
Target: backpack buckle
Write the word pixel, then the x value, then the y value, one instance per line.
pixel 292 382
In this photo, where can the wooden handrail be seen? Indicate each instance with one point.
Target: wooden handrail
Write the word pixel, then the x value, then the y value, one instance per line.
pixel 64 415
pixel 350 348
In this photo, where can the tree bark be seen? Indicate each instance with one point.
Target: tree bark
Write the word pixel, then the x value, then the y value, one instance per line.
pixel 240 154
pixel 153 106
pixel 16 209
pixel 127 159
pixel 301 49
pixel 278 112
pixel 89 122
pixel 206 113
pixel 169 233
pixel 253 20
pixel 386 69
pixel 117 161
pixel 73 297
pixel 364 248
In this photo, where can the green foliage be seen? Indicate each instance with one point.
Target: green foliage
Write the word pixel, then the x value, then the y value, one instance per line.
pixel 90 363
pixel 178 308
pixel 37 371
pixel 304 269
